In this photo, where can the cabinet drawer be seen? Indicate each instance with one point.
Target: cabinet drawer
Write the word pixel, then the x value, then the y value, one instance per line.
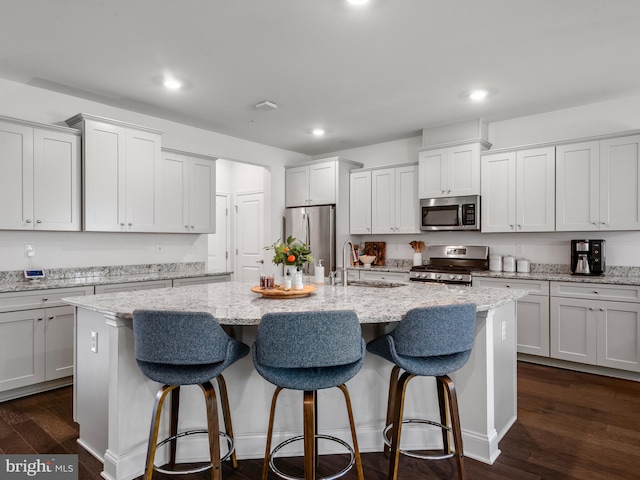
pixel 184 282
pixel 40 298
pixel 133 286
pixel 535 287
pixel 388 276
pixel 626 293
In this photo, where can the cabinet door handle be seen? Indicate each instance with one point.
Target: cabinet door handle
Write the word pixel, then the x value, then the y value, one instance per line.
pixel 519 227
pixel 508 286
pixel 596 292
pixel 130 224
pixel 28 220
pixel 595 223
pixel 39 319
pixel 122 224
pixel 603 223
pixel 193 226
pixel 511 227
pixel 591 308
pixel 51 317
pixel 38 221
pixel 44 299
pixel 602 309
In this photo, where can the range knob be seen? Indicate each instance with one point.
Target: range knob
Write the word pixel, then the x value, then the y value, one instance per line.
pixel 424 275
pixel 459 277
pixel 438 276
pixel 452 276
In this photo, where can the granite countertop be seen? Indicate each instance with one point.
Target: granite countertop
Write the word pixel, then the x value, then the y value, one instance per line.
pixel 233 303
pixel 559 273
pixel 86 277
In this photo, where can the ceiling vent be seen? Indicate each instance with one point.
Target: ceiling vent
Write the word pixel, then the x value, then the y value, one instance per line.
pixel 266 106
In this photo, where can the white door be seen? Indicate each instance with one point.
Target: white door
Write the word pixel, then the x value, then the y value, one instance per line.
pixel 218 257
pixel 383 184
pixel 407 202
pixel 360 203
pixel 250 245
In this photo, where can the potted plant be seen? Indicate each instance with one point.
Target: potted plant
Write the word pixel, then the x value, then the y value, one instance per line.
pixel 291 253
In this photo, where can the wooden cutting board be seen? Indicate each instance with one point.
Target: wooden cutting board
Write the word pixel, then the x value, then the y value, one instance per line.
pixel 378 249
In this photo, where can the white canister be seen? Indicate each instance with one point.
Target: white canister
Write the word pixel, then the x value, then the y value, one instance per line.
pixel 417 258
pixel 319 274
pixel 495 262
pixel 508 264
pixel 523 265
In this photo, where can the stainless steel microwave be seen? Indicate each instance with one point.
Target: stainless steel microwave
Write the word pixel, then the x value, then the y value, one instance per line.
pixel 450 213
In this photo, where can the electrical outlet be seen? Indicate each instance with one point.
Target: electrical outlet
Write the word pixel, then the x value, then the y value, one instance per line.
pixel 159 248
pixel 519 248
pixel 29 250
pixel 504 330
pixel 94 342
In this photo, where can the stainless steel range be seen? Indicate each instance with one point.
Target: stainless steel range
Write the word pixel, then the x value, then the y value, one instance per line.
pixel 451 264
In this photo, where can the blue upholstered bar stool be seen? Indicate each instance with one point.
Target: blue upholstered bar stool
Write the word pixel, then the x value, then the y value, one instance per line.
pixel 309 351
pixel 186 348
pixel 434 342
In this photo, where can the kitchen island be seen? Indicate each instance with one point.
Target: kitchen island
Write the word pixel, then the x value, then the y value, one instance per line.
pixel 113 400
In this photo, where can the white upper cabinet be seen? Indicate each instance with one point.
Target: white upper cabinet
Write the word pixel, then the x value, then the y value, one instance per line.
pixel 360 203
pixel 122 175
pixel 188 192
pixel 385 200
pixel 598 185
pixel 313 184
pixel 449 171
pixel 518 191
pixel 40 177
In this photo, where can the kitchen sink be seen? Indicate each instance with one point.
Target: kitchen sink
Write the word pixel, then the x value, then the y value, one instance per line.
pixel 374 283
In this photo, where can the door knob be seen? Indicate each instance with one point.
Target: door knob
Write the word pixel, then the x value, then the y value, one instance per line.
pixel 259 261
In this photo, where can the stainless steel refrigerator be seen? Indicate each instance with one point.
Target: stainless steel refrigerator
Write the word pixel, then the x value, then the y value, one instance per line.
pixel 315 226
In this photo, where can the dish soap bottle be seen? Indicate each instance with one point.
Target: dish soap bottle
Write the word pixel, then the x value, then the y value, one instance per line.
pixel 297 280
pixel 287 281
pixel 319 277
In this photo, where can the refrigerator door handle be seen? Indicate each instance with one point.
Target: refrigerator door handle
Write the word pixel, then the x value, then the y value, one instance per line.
pixel 307 239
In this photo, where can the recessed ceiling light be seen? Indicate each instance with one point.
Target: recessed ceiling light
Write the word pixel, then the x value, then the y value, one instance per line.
pixel 318 132
pixel 172 84
pixel 357 2
pixel 478 95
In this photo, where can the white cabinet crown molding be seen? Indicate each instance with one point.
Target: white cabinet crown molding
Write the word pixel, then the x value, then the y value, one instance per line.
pixel 483 143
pixel 177 151
pixel 595 138
pixel 86 116
pixel 41 126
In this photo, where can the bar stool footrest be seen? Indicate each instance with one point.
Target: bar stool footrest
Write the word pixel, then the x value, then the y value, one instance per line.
pixel 409 453
pixel 298 438
pixel 227 438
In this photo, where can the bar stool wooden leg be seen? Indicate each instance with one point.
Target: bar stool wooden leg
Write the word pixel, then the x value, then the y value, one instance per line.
pixel 396 429
pixel 267 453
pixel 393 383
pixel 452 398
pixel 155 427
pixel 309 435
pixel 354 437
pixel 213 429
pixel 444 416
pixel 173 425
pixel 226 413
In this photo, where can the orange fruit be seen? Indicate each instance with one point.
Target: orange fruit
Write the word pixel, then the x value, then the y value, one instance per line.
pixel 286 249
pixel 291 258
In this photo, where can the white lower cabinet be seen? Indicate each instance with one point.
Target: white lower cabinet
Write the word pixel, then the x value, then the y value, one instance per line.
pixel 36 337
pixel 533 312
pixel 589 325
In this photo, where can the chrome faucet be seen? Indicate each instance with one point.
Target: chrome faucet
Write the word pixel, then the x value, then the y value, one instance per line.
pixel 345 261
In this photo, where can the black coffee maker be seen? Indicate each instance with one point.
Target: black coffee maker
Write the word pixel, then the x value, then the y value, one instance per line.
pixel 587 257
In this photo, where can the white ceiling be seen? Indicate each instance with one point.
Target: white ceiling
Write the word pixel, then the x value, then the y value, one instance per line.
pixel 366 74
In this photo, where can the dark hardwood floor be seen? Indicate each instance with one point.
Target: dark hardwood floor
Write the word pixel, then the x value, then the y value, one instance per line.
pixel 570 426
